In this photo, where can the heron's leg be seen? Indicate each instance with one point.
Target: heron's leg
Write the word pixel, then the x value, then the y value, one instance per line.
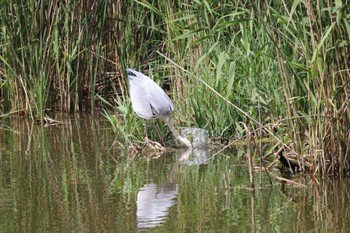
pixel 151 144
pixel 145 129
pixel 158 131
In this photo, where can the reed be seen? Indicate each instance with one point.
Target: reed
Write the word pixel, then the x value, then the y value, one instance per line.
pixel 50 54
pixel 311 41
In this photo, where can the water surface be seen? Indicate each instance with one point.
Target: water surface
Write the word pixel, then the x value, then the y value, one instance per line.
pixel 72 178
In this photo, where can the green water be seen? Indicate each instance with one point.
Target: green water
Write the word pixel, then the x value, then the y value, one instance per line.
pixel 73 178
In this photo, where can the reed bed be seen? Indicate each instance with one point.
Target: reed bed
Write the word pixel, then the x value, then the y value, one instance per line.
pixel 285 62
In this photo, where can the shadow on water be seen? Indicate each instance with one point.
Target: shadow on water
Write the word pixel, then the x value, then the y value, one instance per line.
pixel 70 178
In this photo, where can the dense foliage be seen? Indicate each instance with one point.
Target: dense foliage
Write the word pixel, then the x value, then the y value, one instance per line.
pixel 288 60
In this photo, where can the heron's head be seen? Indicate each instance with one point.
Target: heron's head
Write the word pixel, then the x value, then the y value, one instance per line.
pixel 131 73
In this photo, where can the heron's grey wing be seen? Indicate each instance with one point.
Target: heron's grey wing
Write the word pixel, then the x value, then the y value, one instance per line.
pixel 140 99
pixel 147 97
pixel 160 101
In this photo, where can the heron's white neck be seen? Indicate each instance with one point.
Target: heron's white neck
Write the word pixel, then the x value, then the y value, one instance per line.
pixel 171 126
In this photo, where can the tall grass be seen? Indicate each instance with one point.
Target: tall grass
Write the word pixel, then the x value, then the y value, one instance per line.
pixel 292 56
pixel 50 54
pixel 312 47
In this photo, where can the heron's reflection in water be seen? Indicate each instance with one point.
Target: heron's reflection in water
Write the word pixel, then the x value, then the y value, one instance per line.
pixel 154 202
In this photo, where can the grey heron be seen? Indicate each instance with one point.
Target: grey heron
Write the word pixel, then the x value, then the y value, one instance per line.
pixel 150 101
